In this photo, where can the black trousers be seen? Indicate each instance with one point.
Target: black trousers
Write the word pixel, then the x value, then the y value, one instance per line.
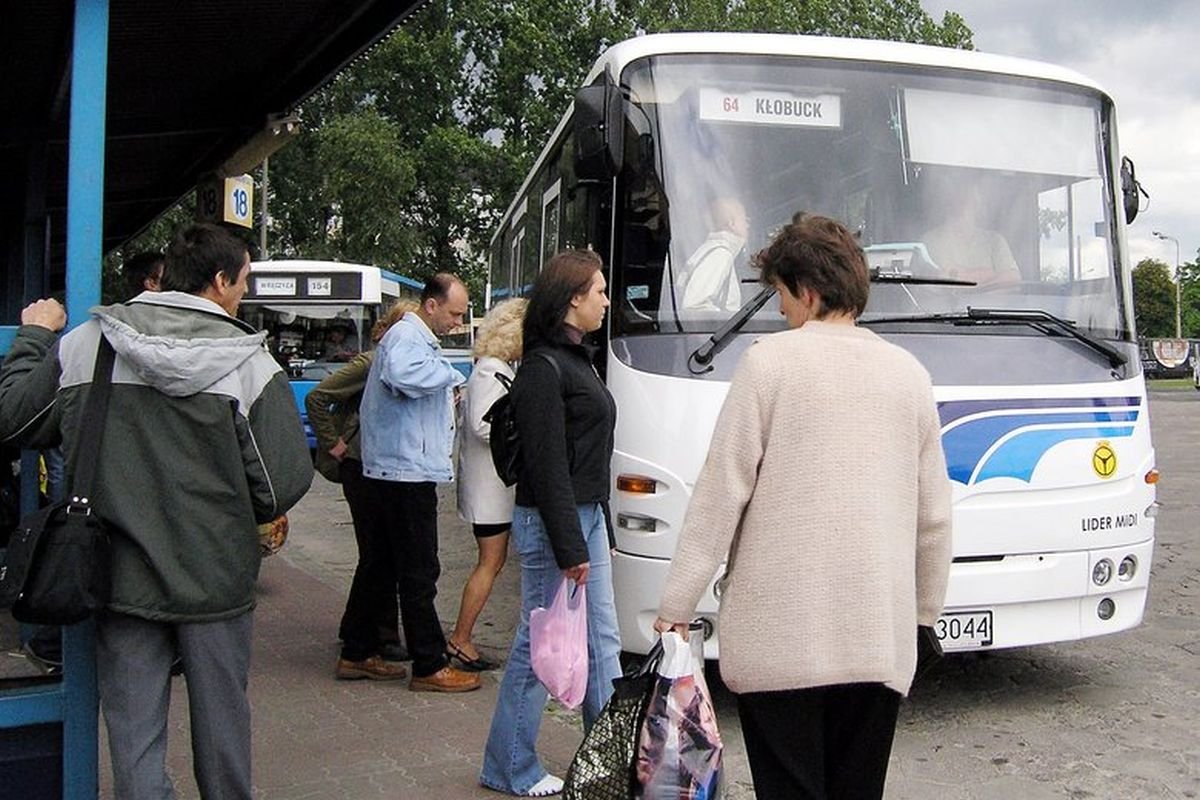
pixel 404 518
pixel 826 743
pixel 372 615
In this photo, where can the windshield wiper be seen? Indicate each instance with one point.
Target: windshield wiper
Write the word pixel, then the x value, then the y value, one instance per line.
pixel 700 361
pixel 1036 318
pixel 881 275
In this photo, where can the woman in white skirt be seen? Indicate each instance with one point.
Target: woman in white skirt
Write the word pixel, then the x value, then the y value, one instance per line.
pixel 483 499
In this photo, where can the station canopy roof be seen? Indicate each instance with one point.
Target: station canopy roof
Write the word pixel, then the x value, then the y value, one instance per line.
pixel 189 85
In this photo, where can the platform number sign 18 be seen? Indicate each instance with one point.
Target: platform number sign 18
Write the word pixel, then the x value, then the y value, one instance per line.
pixel 239 204
pixel 228 200
pixel 208 201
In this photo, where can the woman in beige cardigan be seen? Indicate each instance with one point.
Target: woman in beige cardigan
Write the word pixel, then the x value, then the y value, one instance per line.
pixel 826 487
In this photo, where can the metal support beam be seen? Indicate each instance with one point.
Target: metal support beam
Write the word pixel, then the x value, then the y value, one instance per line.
pixel 85 170
pixel 85 232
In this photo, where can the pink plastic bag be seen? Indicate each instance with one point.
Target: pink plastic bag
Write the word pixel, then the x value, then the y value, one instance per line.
pixel 558 644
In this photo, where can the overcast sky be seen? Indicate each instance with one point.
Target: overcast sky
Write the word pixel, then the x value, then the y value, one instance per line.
pixel 1146 55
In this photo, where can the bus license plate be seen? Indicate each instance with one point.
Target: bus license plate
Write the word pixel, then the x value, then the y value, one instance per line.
pixel 964 630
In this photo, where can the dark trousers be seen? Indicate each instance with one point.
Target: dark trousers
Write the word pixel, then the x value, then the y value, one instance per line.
pixel 826 743
pixel 404 517
pixel 371 617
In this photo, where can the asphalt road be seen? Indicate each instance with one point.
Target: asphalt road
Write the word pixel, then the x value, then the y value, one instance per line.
pixel 1114 717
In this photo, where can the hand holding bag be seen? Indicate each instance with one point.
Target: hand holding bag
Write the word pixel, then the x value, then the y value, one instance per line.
pixel 929 651
pixel 604 765
pixel 558 644
pixel 680 750
pixel 57 567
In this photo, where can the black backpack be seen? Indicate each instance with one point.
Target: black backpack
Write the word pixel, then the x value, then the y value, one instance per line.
pixel 505 440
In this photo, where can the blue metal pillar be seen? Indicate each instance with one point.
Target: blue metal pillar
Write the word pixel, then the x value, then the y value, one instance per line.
pixel 85 248
pixel 74 702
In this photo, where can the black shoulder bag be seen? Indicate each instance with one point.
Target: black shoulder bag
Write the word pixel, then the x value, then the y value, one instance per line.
pixel 57 568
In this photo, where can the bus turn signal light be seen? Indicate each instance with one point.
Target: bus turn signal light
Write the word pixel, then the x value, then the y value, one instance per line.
pixel 1152 476
pixel 636 484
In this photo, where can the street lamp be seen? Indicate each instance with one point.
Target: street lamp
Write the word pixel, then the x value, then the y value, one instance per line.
pixel 1165 238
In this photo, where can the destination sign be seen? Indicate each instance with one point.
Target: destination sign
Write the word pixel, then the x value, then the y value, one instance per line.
pixel 274 286
pixel 771 108
pixel 321 287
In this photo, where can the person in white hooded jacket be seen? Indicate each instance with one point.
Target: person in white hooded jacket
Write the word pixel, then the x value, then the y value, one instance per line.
pixel 711 282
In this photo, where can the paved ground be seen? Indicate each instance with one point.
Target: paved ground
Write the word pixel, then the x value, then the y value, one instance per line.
pixel 1108 718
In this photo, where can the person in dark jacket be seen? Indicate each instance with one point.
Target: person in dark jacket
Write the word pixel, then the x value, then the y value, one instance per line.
pixel 202 441
pixel 332 408
pixel 560 524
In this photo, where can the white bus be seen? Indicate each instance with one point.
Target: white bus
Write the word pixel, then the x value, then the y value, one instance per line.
pixel 1035 362
pixel 318 314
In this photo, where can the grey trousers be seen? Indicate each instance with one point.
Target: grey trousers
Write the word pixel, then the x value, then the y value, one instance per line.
pixel 133 661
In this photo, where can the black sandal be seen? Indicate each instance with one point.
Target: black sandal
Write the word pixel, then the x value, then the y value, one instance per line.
pixel 481 664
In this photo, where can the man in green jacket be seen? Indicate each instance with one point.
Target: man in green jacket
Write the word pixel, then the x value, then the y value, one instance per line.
pixel 202 442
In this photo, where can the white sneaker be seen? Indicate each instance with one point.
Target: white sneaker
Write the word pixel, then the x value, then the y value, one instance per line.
pixel 546 787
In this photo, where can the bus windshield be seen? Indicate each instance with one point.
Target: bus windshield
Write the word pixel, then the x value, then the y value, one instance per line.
pixel 999 184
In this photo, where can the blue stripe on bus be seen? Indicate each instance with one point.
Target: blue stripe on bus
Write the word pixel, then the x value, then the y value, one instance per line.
pixel 968 443
pixel 951 410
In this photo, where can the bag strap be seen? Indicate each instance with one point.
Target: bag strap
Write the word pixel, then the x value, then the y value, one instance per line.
pixel 91 427
pixel 506 381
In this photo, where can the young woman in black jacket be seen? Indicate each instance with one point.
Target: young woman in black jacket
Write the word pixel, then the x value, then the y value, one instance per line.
pixel 565 417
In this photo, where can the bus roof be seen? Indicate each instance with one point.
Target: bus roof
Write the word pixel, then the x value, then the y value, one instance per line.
pixel 617 57
pixel 621 54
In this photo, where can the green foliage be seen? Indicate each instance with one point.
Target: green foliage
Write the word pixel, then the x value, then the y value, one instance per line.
pixel 1153 299
pixel 1189 288
pixel 896 20
pixel 410 156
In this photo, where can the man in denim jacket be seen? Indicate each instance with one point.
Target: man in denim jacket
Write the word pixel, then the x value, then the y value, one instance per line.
pixel 406 424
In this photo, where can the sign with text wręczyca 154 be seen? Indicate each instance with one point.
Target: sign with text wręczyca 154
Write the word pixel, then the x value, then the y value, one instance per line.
pixel 226 200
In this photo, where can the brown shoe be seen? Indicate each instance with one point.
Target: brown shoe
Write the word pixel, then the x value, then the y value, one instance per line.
pixel 373 668
pixel 446 679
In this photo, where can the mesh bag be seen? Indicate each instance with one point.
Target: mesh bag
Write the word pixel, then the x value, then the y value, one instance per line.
pixel 604 765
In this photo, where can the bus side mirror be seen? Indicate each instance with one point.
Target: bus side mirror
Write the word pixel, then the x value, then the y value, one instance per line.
pixel 1131 190
pixel 599 131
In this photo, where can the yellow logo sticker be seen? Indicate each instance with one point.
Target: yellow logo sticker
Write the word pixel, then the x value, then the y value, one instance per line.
pixel 1104 460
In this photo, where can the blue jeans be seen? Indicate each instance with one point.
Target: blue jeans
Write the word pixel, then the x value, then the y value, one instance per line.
pixel 510 761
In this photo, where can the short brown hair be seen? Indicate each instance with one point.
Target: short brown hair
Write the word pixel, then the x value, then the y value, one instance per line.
pixel 820 254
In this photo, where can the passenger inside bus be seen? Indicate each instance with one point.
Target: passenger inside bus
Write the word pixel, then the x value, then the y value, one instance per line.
pixel 709 280
pixel 341 343
pixel 962 244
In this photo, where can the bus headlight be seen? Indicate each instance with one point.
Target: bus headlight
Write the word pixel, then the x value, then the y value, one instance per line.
pixel 1103 571
pixel 1127 568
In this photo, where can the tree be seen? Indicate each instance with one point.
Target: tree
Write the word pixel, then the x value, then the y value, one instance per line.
pixel 1189 289
pixel 1153 299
